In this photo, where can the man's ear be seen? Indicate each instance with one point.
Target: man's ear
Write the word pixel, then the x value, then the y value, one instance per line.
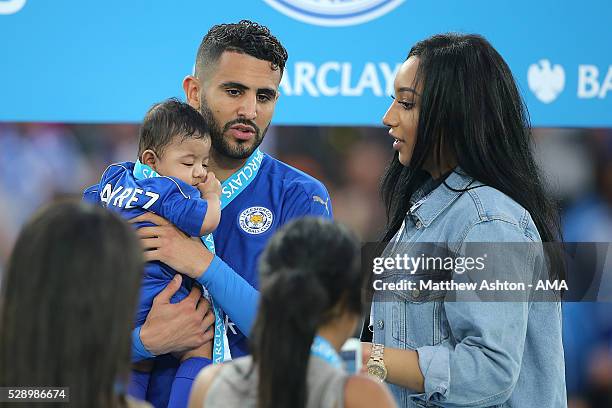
pixel 191 86
pixel 149 158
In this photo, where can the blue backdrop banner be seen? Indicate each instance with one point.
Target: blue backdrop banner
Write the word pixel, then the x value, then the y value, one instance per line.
pixel 108 61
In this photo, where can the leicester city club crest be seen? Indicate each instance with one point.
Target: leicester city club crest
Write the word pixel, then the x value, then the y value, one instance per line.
pixel 255 220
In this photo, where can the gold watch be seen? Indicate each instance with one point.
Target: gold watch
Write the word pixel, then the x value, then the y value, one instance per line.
pixel 376 365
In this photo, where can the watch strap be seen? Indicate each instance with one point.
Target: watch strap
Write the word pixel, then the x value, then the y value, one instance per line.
pixel 377 353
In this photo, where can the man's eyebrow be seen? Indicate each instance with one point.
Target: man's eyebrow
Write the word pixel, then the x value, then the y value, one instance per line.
pixel 237 85
pixel 267 91
pixel 408 89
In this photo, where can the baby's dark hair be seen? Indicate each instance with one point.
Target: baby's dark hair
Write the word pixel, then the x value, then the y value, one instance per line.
pixel 168 119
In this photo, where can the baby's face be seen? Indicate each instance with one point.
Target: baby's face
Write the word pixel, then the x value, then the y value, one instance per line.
pixel 185 159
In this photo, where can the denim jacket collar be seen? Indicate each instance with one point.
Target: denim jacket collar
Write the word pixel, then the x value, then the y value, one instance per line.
pixel 427 206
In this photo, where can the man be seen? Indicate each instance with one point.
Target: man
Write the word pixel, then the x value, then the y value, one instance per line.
pixel 235 87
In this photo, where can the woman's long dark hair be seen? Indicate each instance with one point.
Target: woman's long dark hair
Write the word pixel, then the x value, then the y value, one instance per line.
pixel 67 304
pixel 308 267
pixel 470 106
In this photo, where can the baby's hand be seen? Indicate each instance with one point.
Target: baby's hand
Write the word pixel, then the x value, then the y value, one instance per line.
pixel 210 190
pixel 210 186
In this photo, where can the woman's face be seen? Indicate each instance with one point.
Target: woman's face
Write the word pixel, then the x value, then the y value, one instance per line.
pixel 402 116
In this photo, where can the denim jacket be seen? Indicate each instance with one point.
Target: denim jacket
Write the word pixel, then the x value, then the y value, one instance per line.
pixel 473 354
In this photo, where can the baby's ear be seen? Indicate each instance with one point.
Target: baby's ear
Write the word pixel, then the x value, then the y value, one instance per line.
pixel 149 158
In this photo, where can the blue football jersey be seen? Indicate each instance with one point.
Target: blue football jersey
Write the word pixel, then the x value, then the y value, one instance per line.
pixel 278 194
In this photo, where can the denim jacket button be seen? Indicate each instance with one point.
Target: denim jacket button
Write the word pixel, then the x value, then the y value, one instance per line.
pixel 381 324
pixel 419 224
pixel 416 293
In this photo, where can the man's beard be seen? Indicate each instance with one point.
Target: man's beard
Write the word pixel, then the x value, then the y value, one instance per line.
pixel 240 149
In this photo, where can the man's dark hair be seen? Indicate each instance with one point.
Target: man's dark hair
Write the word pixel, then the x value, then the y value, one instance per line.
pixel 245 37
pixel 168 119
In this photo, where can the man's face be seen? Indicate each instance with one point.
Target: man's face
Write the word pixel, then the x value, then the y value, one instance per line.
pixel 238 97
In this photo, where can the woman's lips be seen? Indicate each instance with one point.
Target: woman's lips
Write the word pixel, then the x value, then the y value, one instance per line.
pixel 397 143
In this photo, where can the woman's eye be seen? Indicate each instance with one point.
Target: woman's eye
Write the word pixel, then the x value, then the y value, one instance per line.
pixel 404 104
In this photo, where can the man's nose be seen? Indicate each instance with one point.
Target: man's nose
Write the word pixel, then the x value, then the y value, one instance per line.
pixel 248 107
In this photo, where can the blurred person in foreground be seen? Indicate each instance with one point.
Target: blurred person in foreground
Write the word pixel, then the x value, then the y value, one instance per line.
pixel 463 173
pixel 312 295
pixel 67 304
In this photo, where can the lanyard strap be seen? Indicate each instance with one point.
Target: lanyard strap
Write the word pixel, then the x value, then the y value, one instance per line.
pixel 324 350
pixel 239 180
pixel 230 189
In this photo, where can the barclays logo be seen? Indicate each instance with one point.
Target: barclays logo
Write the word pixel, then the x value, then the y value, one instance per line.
pixel 11 6
pixel 546 81
pixel 334 12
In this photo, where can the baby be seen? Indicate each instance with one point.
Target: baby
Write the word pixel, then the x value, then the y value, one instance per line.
pixel 171 179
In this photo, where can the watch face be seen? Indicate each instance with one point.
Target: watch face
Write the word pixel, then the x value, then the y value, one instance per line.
pixel 377 371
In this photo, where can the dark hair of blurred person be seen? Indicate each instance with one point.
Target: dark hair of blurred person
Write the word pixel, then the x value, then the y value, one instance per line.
pixel 67 304
pixel 470 111
pixel 311 285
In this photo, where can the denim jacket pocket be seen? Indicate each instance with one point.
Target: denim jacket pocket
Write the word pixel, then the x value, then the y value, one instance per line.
pixel 417 316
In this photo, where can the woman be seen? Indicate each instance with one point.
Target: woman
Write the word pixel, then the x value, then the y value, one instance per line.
pixel 463 173
pixel 67 305
pixel 311 300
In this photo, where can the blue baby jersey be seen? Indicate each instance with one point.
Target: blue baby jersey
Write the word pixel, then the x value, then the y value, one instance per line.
pixel 173 199
pixel 178 202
